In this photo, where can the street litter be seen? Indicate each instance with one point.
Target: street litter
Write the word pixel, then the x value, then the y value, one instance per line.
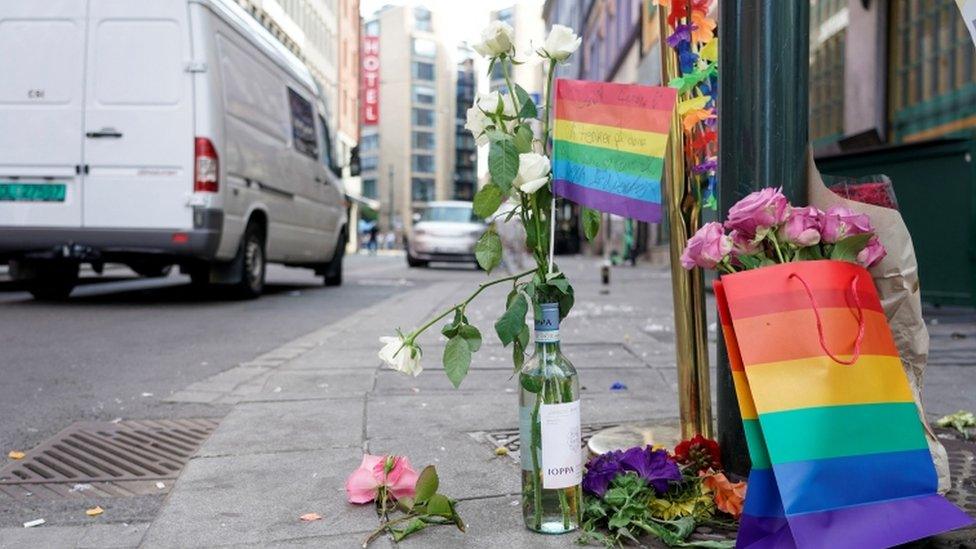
pixel 94 511
pixel 310 517
pixel 16 454
pixel 160 485
pixel 33 523
pixel 80 487
pixel 618 386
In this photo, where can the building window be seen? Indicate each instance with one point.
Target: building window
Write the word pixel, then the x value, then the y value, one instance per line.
pixel 368 163
pixel 423 163
pixel 302 125
pixel 422 19
pixel 422 189
pixel 423 140
pixel 930 83
pixel 423 71
pixel 369 187
pixel 369 142
pixel 424 47
pixel 423 117
pixel 424 94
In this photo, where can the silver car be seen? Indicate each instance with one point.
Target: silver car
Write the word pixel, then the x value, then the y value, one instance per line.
pixel 444 231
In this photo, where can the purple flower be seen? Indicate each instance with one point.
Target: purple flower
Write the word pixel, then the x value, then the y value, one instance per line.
pixel 841 222
pixel 682 33
pixel 654 466
pixel 707 166
pixel 802 227
pixel 758 212
pixel 600 471
pixel 706 248
pixel 872 254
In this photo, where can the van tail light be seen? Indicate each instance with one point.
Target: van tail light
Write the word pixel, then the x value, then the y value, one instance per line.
pixel 205 178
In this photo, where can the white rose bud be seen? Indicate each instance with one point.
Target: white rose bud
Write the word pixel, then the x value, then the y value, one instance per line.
pixel 400 356
pixel 476 124
pixel 561 43
pixel 495 40
pixel 533 172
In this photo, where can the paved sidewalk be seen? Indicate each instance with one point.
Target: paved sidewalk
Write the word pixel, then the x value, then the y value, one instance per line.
pixel 304 413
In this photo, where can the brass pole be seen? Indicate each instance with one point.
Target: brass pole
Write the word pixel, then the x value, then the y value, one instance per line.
pixel 688 289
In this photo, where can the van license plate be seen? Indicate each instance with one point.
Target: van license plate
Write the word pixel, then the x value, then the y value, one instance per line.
pixel 32 192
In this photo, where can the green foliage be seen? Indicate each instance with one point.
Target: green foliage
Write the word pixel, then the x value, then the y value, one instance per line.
pixel 523 139
pixel 503 163
pixel 457 359
pixel 426 508
pixel 848 248
pixel 591 222
pixel 487 201
pixel 427 484
pixel 488 250
pixel 511 324
pixel 526 105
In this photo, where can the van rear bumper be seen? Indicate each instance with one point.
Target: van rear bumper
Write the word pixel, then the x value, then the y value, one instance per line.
pixel 199 242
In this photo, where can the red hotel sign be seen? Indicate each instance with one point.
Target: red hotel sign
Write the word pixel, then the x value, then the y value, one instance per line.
pixel 371 80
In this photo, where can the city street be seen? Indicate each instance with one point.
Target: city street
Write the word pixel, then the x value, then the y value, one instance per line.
pixel 297 393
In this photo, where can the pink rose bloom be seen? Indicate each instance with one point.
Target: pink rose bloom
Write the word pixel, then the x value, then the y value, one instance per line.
pixel 872 254
pixel 707 248
pixel 841 222
pixel 757 213
pixel 742 245
pixel 802 227
pixel 392 472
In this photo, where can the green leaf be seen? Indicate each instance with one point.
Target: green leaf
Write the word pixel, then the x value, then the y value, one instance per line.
pixel 427 483
pixel 405 504
pixel 531 384
pixel 561 284
pixel 848 248
pixel 457 359
pixel 566 302
pixel 512 322
pixel 412 527
pixel 440 506
pixel 495 136
pixel 518 355
pixel 523 337
pixel 749 261
pixel 503 164
pixel 526 105
pixel 523 139
pixel 591 222
pixel 487 201
pixel 810 253
pixel 471 335
pixel 488 250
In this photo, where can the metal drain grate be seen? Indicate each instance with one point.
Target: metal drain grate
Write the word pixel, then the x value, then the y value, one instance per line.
pixel 509 438
pixel 107 459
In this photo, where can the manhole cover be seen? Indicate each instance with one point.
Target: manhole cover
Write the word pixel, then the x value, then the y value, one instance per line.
pixel 107 459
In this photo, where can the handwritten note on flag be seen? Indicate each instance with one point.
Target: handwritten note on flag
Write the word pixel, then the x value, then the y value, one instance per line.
pixel 608 145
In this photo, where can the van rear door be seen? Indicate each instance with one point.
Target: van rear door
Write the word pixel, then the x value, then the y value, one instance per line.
pixel 42 62
pixel 138 130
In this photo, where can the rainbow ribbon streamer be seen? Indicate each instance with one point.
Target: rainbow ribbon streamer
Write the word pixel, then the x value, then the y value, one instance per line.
pixel 839 457
pixel 608 145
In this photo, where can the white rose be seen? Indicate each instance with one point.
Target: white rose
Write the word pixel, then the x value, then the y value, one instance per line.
pixel 508 105
pixel 561 43
pixel 488 102
pixel 495 40
pixel 400 356
pixel 533 172
pixel 476 124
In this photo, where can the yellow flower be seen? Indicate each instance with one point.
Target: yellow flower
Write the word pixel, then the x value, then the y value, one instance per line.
pixel 698 506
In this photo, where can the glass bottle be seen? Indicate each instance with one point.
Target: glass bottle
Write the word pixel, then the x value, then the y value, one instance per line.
pixel 549 430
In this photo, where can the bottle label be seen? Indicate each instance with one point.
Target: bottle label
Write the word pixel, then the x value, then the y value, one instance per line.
pixel 547 324
pixel 562 457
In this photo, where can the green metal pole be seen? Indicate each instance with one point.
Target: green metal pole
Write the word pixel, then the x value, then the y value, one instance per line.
pixel 763 133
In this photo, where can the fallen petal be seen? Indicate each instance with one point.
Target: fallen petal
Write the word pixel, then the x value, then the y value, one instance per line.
pixel 16 454
pixel 94 511
pixel 310 517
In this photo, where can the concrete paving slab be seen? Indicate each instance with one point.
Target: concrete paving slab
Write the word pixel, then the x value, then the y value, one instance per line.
pixel 640 379
pixel 948 389
pixel 107 536
pixel 349 355
pixel 456 456
pixel 329 382
pixel 584 356
pixel 491 523
pixel 258 499
pixel 261 427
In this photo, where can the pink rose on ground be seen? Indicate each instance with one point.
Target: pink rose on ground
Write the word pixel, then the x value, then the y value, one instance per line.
pixel 841 222
pixel 872 254
pixel 707 248
pixel 758 212
pixel 391 472
pixel 802 227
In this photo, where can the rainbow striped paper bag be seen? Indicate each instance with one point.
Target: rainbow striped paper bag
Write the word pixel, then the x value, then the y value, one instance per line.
pixel 608 145
pixel 839 458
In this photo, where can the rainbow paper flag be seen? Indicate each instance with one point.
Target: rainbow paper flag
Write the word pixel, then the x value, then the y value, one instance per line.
pixel 608 145
pixel 839 456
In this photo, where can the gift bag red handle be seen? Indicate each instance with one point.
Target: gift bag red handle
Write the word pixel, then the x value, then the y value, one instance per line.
pixel 816 312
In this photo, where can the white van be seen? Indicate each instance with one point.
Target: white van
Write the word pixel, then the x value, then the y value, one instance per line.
pixel 160 132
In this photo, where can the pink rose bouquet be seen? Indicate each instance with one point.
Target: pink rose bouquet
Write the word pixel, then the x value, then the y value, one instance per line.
pixel 764 229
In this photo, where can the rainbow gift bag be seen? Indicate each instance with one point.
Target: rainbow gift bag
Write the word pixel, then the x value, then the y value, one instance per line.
pixel 839 458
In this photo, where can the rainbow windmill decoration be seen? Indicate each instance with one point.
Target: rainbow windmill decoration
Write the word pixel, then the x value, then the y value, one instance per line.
pixel 609 143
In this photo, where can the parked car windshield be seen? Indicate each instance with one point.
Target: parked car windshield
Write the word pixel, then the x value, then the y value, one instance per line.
pixel 455 214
